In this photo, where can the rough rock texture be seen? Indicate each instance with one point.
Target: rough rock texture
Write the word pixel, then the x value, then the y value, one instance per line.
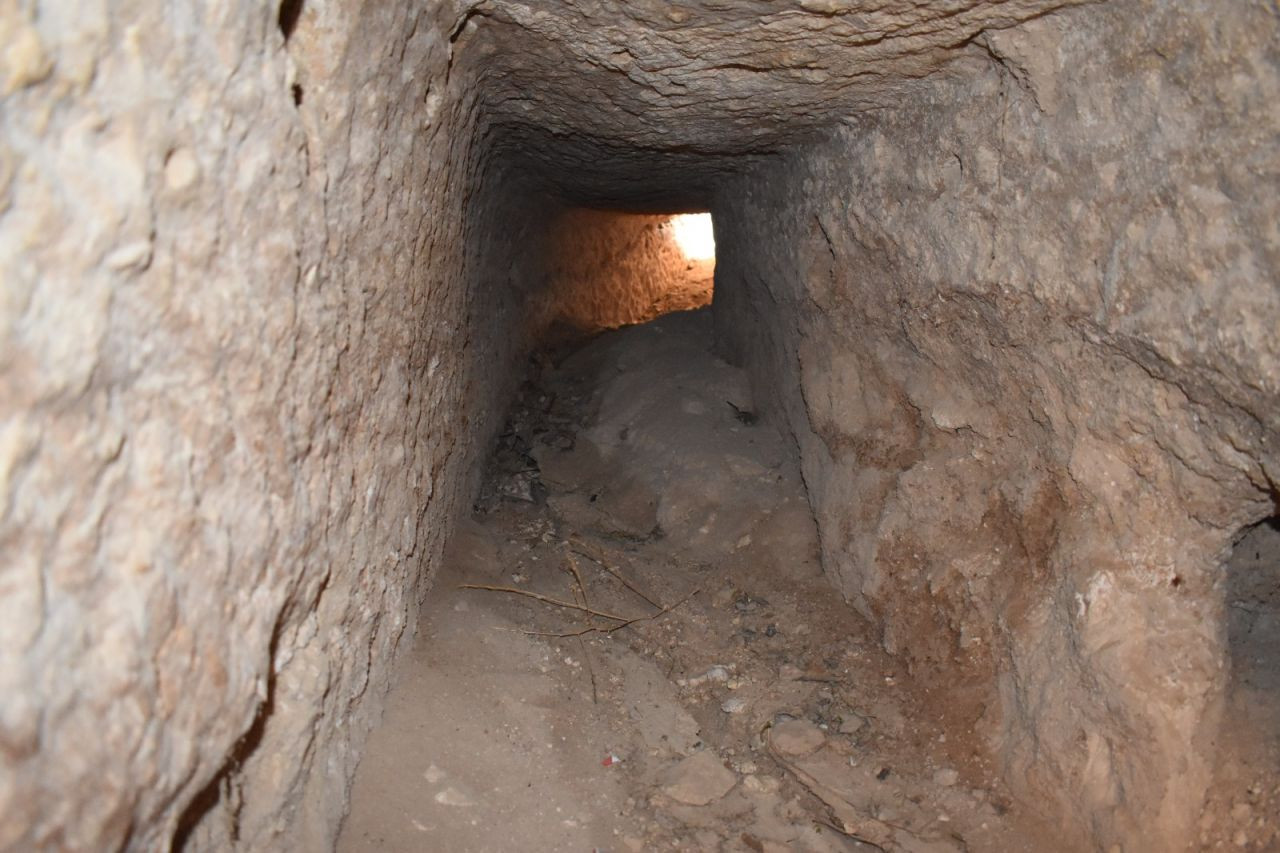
pixel 727 77
pixel 656 104
pixel 242 381
pixel 1024 329
pixel 613 269
pixel 1008 270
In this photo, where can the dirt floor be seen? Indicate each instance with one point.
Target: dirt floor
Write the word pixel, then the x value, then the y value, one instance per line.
pixel 720 697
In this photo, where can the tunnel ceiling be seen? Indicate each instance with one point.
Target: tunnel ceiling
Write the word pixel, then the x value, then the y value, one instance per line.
pixel 582 171
pixel 604 95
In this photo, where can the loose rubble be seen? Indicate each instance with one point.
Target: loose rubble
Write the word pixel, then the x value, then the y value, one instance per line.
pixel 751 708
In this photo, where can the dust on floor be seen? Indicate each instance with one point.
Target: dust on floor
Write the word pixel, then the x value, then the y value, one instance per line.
pixel 721 696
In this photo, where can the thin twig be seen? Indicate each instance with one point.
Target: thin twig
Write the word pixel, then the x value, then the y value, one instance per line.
pixel 612 628
pixel 577 578
pixel 565 635
pixel 581 592
pixel 547 599
pixel 847 834
pixel 580 547
pixel 591 671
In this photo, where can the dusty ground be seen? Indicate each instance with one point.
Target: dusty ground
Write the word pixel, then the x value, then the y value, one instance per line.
pixel 747 708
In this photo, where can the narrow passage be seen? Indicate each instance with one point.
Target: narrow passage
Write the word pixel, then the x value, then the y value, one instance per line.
pixel 746 707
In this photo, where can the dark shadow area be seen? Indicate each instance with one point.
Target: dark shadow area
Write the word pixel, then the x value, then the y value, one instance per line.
pixel 290 12
pixel 214 792
pixel 225 783
pixel 1253 608
pixel 1246 752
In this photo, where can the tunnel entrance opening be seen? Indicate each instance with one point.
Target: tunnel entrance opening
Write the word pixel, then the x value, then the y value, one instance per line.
pixel 610 269
pixel 695 235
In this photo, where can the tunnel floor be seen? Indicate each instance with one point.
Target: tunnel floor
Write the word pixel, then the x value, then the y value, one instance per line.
pixel 746 707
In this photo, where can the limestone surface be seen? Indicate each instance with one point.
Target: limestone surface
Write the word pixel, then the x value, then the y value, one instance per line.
pixel 1024 327
pixel 1006 270
pixel 240 397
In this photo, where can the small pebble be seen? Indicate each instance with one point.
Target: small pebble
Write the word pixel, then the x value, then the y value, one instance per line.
pixel 851 724
pixel 761 784
pixel 453 797
pixel 733 705
pixel 946 777
pixel 698 780
pixel 796 737
pixel 716 674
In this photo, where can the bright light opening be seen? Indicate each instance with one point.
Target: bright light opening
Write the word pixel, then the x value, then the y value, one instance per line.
pixel 694 235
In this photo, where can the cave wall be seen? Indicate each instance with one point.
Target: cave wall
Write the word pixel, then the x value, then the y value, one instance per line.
pixel 262 298
pixel 610 269
pixel 1024 329
pixel 257 311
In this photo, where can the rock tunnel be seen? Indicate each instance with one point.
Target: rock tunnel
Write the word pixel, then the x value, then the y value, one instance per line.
pixel 1001 274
